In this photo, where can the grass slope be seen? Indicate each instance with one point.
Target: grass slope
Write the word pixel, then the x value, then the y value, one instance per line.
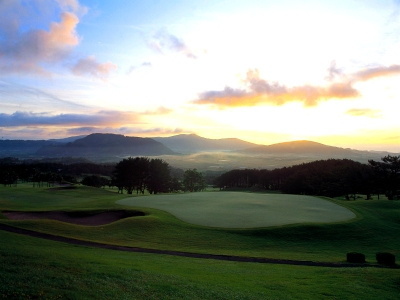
pixel 375 230
pixel 34 268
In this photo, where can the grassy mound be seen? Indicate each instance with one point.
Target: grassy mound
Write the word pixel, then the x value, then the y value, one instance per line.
pixel 244 210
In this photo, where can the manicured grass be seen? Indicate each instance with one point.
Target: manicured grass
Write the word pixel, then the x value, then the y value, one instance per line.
pixel 375 230
pixel 25 197
pixel 244 210
pixel 34 268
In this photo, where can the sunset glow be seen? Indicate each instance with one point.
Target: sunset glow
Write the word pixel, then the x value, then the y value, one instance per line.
pixel 262 71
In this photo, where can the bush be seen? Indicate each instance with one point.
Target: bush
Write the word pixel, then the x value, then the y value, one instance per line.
pixel 355 257
pixel 385 258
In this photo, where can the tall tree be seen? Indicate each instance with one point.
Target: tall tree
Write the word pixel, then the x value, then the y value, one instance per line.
pixel 159 178
pixel 193 181
pixel 387 174
pixel 131 174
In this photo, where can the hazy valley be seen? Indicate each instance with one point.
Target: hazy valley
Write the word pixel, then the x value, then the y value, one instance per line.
pixel 182 151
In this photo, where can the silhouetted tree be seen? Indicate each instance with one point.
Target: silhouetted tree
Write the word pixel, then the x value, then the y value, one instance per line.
pixel 193 181
pixel 387 175
pixel 159 177
pixel 95 181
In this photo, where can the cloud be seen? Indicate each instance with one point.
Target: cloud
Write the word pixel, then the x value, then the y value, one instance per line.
pixel 376 72
pixel 333 71
pixel 28 51
pixel 156 131
pixel 13 94
pixel 364 112
pixel 145 64
pixel 82 130
pixel 34 50
pixel 159 111
pixel 110 118
pixel 125 130
pixel 90 66
pixel 259 91
pixel 163 41
pixel 72 5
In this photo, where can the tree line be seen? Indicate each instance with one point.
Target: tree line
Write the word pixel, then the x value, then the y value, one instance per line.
pixel 132 174
pixel 332 178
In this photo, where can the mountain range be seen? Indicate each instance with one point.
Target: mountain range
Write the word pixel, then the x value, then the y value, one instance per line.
pixel 192 143
pixel 105 145
pixel 188 150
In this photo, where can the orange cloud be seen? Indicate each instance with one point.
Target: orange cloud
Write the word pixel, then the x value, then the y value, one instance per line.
pixel 260 91
pixel 27 51
pixel 372 73
pixel 61 34
pixel 30 51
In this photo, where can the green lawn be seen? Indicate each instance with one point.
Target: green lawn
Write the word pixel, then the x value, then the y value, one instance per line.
pixel 244 210
pixel 36 268
pixel 40 269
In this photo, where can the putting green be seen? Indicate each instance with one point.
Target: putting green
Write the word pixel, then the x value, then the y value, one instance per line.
pixel 244 210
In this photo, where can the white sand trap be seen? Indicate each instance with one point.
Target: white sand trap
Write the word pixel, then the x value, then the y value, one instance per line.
pixel 244 210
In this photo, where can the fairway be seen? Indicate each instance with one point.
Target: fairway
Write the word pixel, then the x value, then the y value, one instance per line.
pixel 244 210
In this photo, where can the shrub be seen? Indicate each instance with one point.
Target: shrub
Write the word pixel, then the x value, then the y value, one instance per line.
pixel 385 258
pixel 355 257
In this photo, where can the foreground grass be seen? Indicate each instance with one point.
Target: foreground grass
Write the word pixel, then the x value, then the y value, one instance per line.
pixel 34 268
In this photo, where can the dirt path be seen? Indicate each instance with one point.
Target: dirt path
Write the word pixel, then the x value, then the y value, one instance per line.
pixel 179 253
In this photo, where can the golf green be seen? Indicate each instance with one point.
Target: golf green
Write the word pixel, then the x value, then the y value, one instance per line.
pixel 244 210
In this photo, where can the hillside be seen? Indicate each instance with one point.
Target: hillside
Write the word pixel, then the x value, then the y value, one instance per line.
pixel 22 148
pixel 106 145
pixel 301 147
pixel 192 143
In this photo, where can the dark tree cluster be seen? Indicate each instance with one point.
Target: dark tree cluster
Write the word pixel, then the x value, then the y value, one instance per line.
pixel 332 178
pixel 154 175
pixel 141 173
pixel 96 181
pixel 193 181
pixel 387 179
pixel 13 170
pixel 131 174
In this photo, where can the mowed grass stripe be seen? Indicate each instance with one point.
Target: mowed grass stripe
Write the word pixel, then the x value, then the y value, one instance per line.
pixel 244 210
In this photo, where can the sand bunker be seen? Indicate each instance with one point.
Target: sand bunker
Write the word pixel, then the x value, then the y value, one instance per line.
pixel 88 218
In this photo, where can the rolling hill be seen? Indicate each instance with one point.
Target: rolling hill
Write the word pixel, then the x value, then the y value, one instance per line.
pixel 192 143
pixel 22 148
pixel 301 147
pixel 105 145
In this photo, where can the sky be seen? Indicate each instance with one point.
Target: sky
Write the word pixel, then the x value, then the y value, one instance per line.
pixel 258 70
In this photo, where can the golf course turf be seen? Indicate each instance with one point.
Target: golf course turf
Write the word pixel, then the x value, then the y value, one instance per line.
pixel 244 210
pixel 42 268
